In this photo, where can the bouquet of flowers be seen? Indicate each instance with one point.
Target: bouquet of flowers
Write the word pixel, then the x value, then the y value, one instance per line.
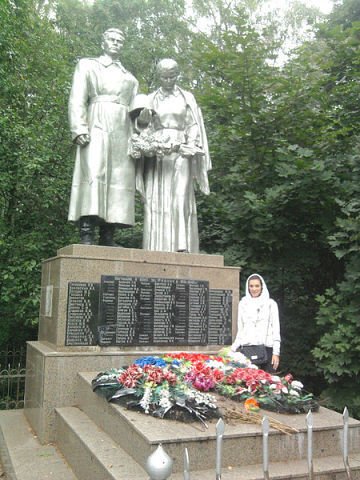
pixel 146 144
pixel 181 386
pixel 155 386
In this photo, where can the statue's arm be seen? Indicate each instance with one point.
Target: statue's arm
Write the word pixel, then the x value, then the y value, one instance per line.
pixel 78 104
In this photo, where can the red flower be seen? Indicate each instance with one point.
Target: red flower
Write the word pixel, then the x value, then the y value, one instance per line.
pixel 218 375
pixel 155 374
pixel 252 377
pixel 193 357
pixel 130 376
pixel 170 377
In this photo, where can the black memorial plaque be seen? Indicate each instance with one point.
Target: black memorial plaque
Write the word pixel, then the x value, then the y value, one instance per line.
pixel 108 311
pixel 153 311
pixel 125 310
pixel 135 309
pixel 198 313
pixel 169 310
pixel 220 317
pixel 82 314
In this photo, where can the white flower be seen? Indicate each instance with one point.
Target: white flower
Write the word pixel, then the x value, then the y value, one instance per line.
pixel 215 364
pixel 201 398
pixel 110 375
pixel 297 385
pixel 275 379
pixel 165 399
pixel 238 357
pixel 273 386
pixel 294 393
pixel 146 400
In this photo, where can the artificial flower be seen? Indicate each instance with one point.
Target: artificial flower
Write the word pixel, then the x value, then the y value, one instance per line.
pixel 251 404
pixel 185 380
pixel 297 385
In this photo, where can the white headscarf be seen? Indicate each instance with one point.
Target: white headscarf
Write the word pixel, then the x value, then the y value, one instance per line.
pixel 256 306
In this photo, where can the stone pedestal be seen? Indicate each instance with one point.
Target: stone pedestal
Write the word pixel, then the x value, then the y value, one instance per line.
pixel 52 366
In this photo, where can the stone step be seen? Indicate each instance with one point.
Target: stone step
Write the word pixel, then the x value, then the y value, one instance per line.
pixel 26 459
pixel 325 468
pixel 22 455
pixel 94 455
pixel 90 451
pixel 139 434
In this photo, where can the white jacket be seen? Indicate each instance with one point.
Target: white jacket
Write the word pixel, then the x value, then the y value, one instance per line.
pixel 258 320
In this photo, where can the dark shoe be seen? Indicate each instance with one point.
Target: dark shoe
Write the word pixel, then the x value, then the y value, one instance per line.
pixel 86 231
pixel 107 235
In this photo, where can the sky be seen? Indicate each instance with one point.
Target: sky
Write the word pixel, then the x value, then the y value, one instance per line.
pixel 324 5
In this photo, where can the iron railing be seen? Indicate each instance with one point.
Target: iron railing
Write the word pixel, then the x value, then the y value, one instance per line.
pixel 12 377
pixel 159 464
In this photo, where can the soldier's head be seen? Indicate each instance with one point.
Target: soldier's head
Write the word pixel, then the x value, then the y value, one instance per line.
pixel 168 72
pixel 112 41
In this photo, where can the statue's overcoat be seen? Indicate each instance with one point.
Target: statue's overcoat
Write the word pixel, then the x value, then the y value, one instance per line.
pixel 104 174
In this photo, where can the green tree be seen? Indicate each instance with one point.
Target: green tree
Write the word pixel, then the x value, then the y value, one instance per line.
pixel 338 351
pixel 273 192
pixel 34 156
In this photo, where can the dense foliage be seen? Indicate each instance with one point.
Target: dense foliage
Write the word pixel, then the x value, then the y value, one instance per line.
pixel 284 140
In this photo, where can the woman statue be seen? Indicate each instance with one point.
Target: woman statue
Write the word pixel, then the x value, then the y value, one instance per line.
pixel 178 156
pixel 258 322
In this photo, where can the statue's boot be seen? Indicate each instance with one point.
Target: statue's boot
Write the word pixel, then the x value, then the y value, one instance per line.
pixel 86 231
pixel 106 237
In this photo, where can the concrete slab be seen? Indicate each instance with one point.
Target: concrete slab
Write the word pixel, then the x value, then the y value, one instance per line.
pixel 242 442
pixel 140 255
pixel 22 455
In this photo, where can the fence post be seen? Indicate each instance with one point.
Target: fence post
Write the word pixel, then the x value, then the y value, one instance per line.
pixel 265 426
pixel 159 465
pixel 186 465
pixel 220 429
pixel 309 425
pixel 345 443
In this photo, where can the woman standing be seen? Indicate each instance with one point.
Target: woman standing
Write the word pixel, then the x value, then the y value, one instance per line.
pixel 258 322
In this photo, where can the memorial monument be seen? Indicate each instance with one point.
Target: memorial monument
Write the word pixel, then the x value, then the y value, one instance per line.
pixel 103 307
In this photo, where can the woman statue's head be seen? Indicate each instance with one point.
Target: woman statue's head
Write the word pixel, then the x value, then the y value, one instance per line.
pixel 168 72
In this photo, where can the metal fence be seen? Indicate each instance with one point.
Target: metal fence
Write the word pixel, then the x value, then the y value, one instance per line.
pixel 12 377
pixel 159 464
